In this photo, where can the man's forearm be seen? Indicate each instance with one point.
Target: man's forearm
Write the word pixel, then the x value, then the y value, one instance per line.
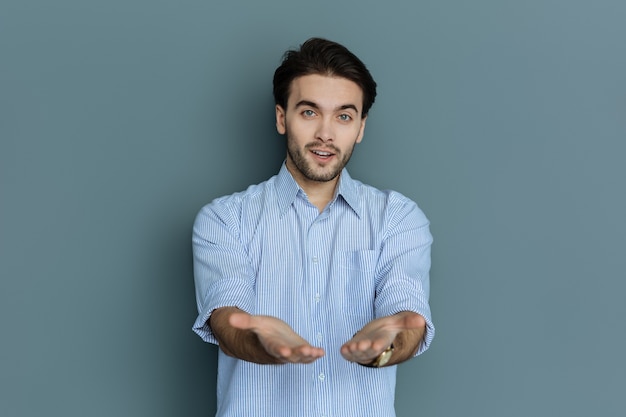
pixel 405 345
pixel 238 343
pixel 407 342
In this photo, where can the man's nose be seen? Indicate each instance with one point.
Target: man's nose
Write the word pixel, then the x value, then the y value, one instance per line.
pixel 324 130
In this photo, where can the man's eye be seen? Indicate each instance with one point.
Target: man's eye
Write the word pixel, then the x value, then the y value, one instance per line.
pixel 345 117
pixel 308 113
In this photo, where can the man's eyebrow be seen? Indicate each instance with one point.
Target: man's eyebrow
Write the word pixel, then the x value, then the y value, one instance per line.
pixel 308 103
pixel 348 106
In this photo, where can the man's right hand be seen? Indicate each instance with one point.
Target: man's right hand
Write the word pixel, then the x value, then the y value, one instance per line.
pixel 275 337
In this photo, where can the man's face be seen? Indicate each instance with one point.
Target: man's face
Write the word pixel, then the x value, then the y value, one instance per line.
pixel 323 123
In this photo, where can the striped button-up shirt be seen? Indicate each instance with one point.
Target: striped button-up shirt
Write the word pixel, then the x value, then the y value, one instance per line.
pixel 269 251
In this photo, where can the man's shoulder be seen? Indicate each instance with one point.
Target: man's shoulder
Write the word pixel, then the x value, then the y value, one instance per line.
pixel 252 193
pixel 386 196
pixel 232 206
pixel 391 204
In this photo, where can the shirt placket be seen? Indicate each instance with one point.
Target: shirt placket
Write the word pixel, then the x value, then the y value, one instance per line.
pixel 317 267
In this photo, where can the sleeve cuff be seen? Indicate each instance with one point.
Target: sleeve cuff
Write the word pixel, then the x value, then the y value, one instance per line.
pixel 222 295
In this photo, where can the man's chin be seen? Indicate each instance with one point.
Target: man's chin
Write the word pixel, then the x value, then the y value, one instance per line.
pixel 315 171
pixel 322 176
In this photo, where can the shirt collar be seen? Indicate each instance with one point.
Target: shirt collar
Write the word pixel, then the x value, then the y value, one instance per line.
pixel 348 190
pixel 287 189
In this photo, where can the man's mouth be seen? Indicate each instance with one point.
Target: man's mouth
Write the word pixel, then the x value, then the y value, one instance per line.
pixel 323 154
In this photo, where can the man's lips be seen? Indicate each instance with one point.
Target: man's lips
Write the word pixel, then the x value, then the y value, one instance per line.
pixel 322 154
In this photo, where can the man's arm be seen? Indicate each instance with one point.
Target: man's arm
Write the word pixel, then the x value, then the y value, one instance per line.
pixel 404 330
pixel 401 302
pixel 260 339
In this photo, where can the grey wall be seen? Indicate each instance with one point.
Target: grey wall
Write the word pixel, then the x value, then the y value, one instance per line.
pixel 505 120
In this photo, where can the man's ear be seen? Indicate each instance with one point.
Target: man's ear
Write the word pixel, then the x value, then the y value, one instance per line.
pixel 361 130
pixel 281 125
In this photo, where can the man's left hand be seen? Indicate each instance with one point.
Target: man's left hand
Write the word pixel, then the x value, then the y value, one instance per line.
pixel 405 330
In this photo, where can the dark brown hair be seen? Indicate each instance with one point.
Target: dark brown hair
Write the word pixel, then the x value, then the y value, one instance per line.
pixel 323 57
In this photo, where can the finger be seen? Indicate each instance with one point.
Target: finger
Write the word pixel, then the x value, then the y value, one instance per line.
pixel 361 357
pixel 285 353
pixel 312 357
pixel 364 350
pixel 354 351
pixel 311 352
pixel 305 354
pixel 347 354
pixel 365 345
pixel 358 346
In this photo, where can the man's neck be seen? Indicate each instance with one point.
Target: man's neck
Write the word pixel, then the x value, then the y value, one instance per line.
pixel 319 193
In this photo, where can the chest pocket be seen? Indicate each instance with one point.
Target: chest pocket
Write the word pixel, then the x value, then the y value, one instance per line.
pixel 357 273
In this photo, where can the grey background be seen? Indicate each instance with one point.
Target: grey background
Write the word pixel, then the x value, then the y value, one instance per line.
pixel 504 120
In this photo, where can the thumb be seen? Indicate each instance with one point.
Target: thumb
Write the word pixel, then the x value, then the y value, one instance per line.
pixel 241 321
pixel 414 321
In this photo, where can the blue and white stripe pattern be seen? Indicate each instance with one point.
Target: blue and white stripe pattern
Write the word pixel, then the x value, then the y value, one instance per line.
pixel 269 251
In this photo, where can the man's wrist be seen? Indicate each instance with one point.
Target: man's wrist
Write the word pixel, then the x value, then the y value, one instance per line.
pixel 382 359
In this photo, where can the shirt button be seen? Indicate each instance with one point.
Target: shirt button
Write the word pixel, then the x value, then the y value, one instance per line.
pixel 319 337
pixel 315 260
pixel 318 297
pixel 321 376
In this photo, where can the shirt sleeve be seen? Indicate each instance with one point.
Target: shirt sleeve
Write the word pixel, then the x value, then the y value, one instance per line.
pixel 222 272
pixel 404 266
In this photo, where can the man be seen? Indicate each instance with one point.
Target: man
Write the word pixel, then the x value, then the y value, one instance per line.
pixel 313 284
